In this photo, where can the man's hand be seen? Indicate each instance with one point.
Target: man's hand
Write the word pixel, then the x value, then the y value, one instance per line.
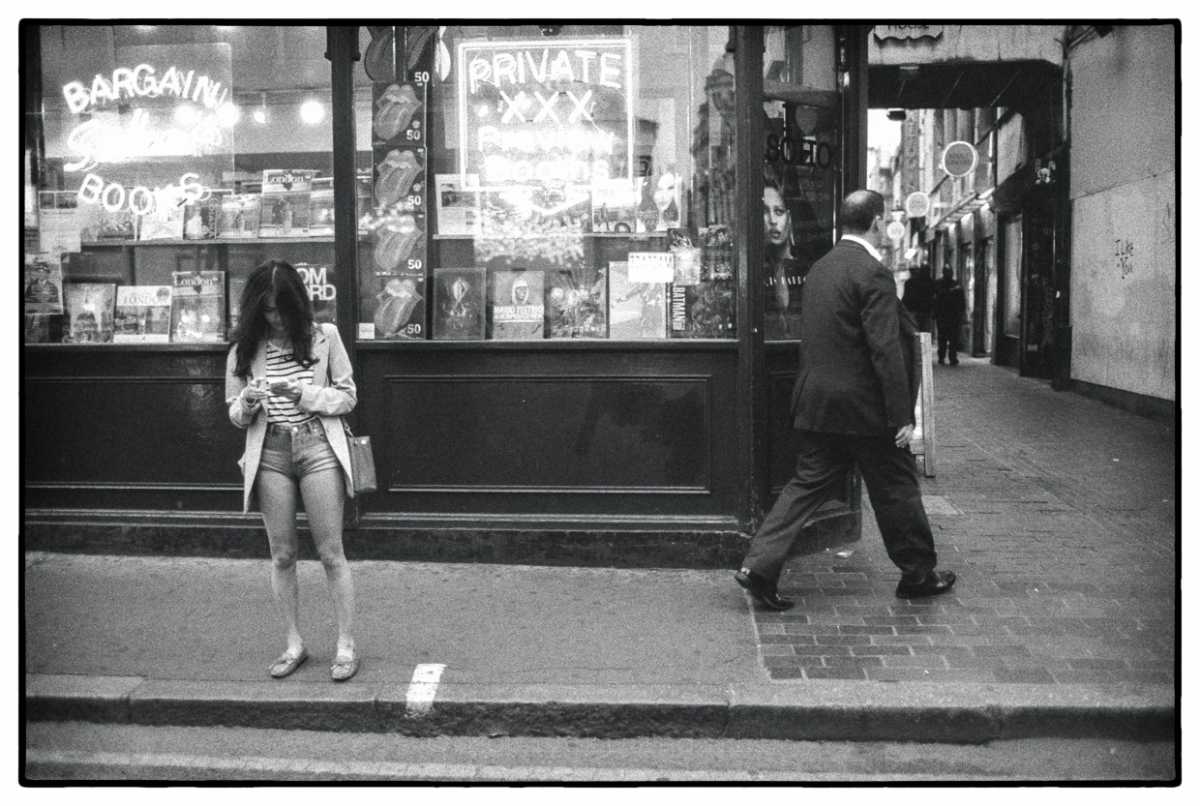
pixel 904 435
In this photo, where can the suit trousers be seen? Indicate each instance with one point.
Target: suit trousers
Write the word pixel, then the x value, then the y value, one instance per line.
pixel 890 476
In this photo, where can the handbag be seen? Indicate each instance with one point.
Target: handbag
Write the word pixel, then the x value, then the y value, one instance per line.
pixel 362 462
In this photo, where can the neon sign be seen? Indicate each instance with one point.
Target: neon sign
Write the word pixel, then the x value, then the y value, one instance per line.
pixel 191 126
pixel 534 112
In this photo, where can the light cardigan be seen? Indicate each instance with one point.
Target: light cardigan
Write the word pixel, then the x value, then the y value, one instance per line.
pixel 331 394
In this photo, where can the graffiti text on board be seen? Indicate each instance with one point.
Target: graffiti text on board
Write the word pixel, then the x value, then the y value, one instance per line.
pixel 1124 256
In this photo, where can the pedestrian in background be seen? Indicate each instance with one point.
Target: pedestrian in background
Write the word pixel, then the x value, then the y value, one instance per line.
pixel 949 308
pixel 288 380
pixel 853 403
pixel 918 297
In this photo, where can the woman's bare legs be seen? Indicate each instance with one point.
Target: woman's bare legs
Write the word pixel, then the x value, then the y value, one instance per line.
pixel 278 496
pixel 324 498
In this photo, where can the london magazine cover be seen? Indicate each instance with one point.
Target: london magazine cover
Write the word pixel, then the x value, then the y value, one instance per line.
pixel 518 304
pixel 286 202
pixel 143 314
pixel 458 304
pixel 89 313
pixel 198 306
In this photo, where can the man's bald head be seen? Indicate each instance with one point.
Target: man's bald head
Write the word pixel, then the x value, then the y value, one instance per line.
pixel 859 210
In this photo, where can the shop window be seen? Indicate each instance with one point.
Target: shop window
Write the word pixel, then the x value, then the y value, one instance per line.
pixel 545 183
pixel 169 161
pixel 802 111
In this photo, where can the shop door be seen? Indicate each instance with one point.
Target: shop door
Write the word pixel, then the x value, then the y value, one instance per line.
pixel 1008 318
pixel 983 324
pixel 1037 318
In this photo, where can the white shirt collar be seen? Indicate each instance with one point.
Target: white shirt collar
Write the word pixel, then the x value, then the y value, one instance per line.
pixel 874 252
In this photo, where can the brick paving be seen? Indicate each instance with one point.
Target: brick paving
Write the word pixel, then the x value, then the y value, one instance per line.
pixel 1058 515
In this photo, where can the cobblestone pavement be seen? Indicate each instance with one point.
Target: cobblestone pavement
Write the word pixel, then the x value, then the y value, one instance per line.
pixel 1058 514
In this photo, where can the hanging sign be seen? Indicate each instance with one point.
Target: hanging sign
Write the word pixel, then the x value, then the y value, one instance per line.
pixel 883 32
pixel 546 111
pixel 895 230
pixel 959 158
pixel 917 205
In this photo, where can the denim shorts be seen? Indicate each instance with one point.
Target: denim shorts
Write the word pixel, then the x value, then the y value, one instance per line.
pixel 297 450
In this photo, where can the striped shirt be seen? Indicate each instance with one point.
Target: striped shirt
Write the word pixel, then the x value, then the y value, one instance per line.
pixel 283 366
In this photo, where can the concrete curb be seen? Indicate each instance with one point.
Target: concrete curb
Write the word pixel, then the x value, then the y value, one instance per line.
pixel 812 711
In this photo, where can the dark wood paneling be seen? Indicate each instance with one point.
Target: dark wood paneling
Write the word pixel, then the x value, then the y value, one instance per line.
pixel 603 433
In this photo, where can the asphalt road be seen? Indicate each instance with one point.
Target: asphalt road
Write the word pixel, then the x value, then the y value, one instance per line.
pixel 80 751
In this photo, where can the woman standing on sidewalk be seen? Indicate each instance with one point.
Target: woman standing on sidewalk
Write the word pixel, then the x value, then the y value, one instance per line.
pixel 288 380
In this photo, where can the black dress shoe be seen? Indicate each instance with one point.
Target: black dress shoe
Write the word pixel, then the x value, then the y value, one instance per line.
pixel 935 582
pixel 763 590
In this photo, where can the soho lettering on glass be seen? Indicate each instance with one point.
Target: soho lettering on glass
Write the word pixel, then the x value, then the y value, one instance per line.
pixel 533 113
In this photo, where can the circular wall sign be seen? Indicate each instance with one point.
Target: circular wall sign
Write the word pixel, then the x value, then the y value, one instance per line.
pixel 917 205
pixel 959 158
pixel 895 230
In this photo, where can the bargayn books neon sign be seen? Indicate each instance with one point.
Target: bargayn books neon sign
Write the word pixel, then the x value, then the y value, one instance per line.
pixel 533 112
pixel 110 137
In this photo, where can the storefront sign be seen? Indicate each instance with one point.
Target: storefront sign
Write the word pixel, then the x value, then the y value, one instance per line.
pixel 959 158
pixel 884 32
pixel 536 112
pixel 895 230
pixel 163 105
pixel 917 205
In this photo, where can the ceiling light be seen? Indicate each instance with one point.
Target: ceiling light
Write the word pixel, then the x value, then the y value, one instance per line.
pixel 312 111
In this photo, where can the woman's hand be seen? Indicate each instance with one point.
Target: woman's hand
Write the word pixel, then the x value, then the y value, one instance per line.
pixel 255 392
pixel 289 390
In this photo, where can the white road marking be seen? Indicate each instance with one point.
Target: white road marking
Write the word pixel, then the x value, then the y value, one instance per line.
pixel 423 688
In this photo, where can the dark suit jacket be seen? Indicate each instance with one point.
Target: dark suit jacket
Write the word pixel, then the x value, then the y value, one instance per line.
pixel 858 368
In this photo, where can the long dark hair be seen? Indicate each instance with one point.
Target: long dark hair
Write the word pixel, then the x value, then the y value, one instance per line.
pixel 278 280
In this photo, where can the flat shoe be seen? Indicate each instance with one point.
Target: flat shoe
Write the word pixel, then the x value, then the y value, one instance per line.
pixel 344 667
pixel 287 663
pixel 934 583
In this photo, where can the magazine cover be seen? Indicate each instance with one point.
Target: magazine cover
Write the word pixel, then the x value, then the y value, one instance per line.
pixel 198 306
pixel 43 284
pixel 102 224
pixel 614 207
pixel 518 304
pixel 687 265
pixel 90 313
pixel 458 304
pixel 578 304
pixel 43 328
pixel 457 204
pixel 635 310
pixel 200 218
pixel 143 314
pixel 285 203
pixel 320 213
pixel 239 216
pixel 164 222
pixel 704 311
pixel 400 308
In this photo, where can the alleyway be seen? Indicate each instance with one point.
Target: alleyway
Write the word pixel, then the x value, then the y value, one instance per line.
pixel 1057 513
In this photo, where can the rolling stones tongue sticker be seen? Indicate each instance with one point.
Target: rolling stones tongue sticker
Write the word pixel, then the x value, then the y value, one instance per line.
pixel 399 172
pixel 400 243
pixel 395 114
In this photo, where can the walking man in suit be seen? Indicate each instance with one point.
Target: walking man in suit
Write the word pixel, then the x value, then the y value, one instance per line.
pixel 853 404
